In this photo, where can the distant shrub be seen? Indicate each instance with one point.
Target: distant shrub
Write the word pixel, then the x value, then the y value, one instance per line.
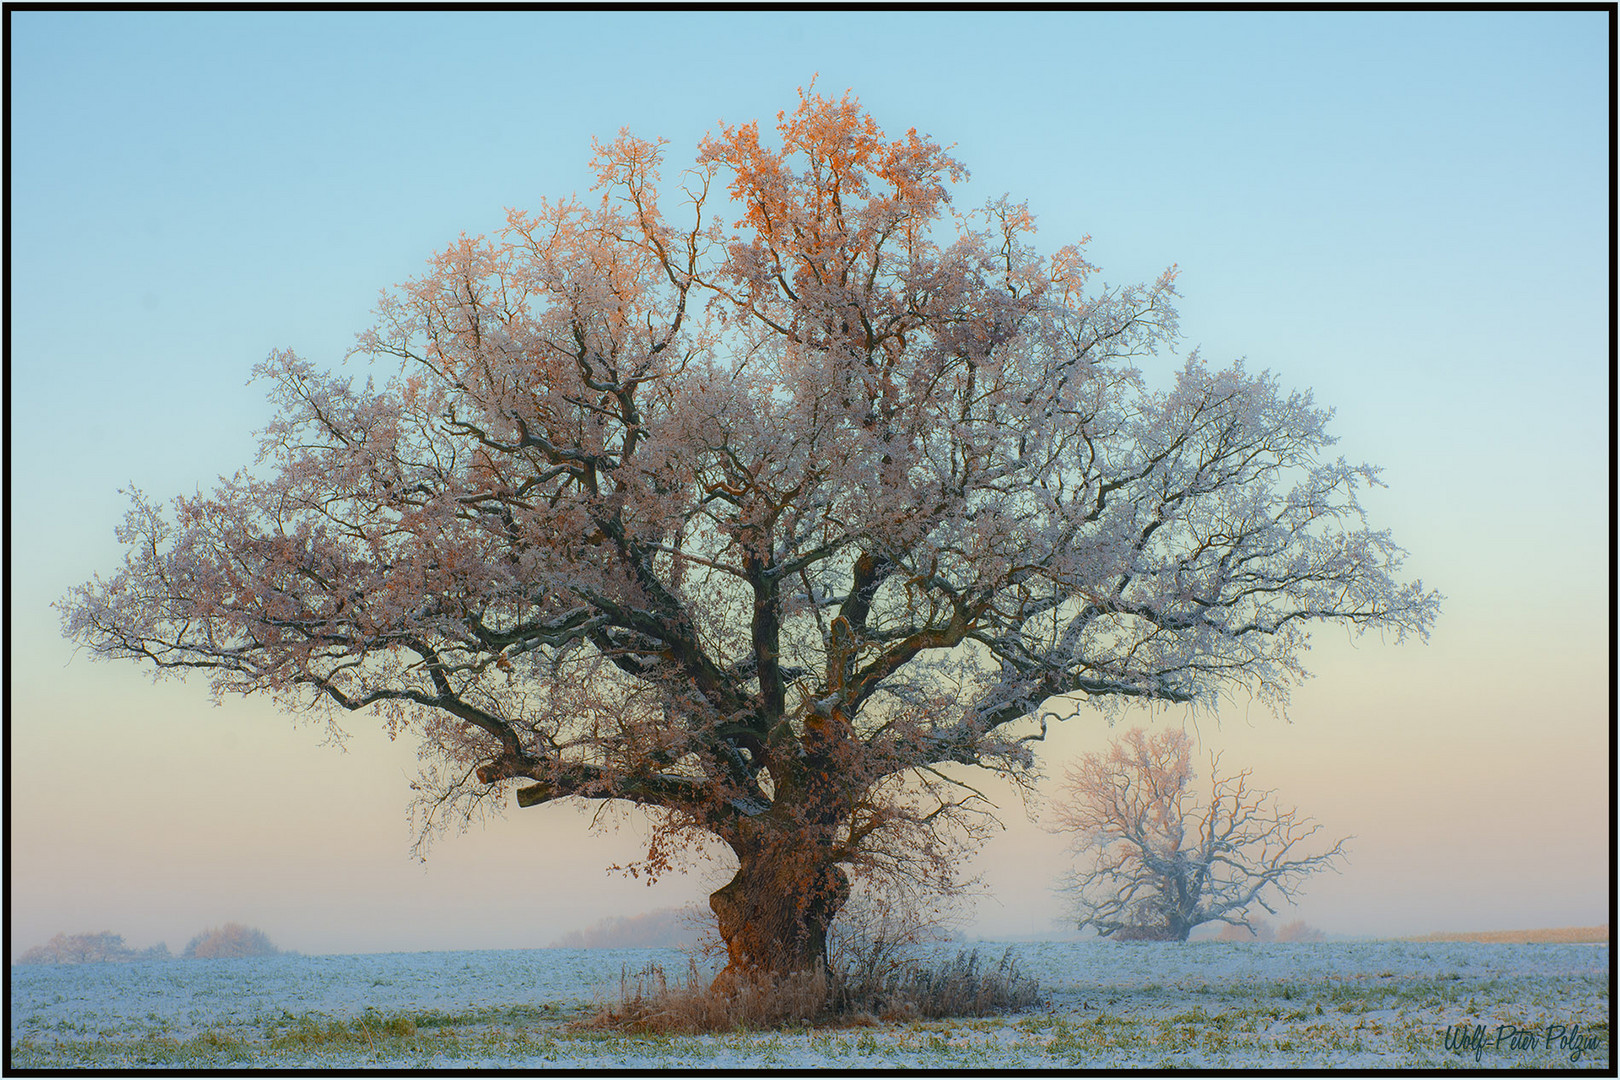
pixel 100 948
pixel 1299 931
pixel 233 941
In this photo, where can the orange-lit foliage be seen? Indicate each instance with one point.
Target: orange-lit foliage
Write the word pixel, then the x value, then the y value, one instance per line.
pixel 233 941
pixel 771 518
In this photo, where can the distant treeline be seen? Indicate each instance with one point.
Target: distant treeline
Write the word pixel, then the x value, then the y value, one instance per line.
pixel 666 928
pixel 228 942
pixel 1566 935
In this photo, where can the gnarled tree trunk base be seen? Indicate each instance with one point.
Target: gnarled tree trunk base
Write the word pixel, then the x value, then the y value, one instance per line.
pixel 773 916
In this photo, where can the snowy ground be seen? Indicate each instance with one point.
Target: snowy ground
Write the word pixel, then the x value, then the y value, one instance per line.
pixel 1210 1005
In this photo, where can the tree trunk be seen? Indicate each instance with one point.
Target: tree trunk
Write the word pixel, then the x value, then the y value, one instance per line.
pixel 773 915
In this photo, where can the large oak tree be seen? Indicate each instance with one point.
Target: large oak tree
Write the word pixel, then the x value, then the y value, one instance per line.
pixel 772 526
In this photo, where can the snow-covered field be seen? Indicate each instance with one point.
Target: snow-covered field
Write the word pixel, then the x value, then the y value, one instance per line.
pixel 1212 1005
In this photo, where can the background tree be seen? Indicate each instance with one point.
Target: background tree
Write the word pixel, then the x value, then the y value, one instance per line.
pixel 1160 860
pixel 233 941
pixel 768 528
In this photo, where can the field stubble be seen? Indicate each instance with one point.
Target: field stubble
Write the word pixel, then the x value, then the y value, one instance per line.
pixel 1210 1005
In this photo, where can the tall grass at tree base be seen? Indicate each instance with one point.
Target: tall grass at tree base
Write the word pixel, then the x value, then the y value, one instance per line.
pixel 875 989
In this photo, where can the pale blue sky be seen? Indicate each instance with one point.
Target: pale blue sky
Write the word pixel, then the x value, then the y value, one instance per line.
pixel 1407 212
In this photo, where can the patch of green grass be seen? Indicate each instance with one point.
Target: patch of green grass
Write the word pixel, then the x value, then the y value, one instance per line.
pixel 425 1036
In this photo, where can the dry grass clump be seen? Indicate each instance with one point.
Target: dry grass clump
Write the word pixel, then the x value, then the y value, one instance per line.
pixel 649 1000
pixel 959 987
pixel 880 989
